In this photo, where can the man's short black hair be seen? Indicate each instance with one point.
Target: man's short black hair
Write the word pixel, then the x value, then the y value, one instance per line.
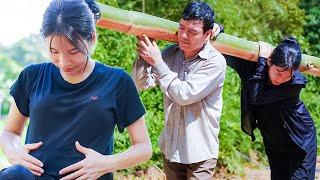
pixel 199 11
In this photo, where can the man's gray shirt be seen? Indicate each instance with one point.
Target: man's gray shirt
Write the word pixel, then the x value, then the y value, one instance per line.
pixel 192 102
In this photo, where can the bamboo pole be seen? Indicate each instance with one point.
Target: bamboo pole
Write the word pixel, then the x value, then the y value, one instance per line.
pixel 137 23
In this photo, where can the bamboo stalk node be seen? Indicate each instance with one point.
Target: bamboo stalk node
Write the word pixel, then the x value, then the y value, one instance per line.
pixel 130 22
pixel 309 66
pixel 157 28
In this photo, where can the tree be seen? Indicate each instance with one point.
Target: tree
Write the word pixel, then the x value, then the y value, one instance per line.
pixel 312 35
pixel 28 50
pixel 9 71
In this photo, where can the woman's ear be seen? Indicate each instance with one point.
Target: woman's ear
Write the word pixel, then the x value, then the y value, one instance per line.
pixel 269 62
pixel 93 38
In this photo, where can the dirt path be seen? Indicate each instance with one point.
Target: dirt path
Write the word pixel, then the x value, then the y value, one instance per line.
pixel 155 173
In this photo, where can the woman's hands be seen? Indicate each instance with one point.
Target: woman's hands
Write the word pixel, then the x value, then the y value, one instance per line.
pixel 95 164
pixel 92 167
pixel 20 155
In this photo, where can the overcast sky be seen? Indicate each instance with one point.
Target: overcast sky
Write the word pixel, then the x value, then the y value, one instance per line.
pixel 20 18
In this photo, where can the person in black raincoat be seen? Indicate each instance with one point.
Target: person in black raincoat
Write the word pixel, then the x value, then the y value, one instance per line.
pixel 270 102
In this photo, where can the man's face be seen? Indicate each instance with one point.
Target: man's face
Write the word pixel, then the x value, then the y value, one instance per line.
pixel 191 37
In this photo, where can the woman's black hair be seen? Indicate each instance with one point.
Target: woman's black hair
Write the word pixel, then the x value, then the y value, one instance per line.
pixel 73 19
pixel 197 10
pixel 287 54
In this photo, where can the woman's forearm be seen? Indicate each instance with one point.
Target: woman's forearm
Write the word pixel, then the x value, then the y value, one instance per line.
pixel 135 155
pixel 9 140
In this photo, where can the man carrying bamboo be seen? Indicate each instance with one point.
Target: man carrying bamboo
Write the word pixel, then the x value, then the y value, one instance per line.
pixel 191 75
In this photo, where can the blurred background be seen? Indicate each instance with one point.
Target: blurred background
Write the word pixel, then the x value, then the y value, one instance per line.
pixel 269 21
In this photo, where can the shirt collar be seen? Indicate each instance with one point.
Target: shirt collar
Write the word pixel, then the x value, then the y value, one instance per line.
pixel 205 53
pixel 206 50
pixel 298 78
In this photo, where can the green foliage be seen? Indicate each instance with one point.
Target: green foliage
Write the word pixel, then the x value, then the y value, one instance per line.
pixel 254 20
pixel 9 70
pixel 231 137
pixel 169 9
pixel 28 50
pixel 310 94
pixel 312 25
pixel 115 49
pixel 262 20
pixel 5 107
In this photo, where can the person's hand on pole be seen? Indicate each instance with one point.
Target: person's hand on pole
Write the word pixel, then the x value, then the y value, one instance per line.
pixel 149 50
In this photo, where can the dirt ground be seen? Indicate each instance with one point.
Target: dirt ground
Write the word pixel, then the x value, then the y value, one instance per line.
pixel 155 173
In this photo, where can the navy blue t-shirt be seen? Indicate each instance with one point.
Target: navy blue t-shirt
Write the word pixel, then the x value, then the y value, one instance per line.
pixel 62 113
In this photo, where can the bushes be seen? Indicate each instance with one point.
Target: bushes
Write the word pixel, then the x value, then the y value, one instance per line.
pixel 255 20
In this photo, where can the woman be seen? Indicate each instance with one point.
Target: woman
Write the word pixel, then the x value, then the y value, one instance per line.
pixel 270 101
pixel 74 104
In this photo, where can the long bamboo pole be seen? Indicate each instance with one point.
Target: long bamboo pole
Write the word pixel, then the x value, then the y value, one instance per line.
pixel 137 23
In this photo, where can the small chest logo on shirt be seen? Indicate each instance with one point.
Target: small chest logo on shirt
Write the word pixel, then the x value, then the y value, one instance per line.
pixel 93 98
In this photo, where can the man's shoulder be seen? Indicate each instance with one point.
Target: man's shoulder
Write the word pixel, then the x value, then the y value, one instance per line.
pixel 171 47
pixel 214 53
pixel 170 50
pixel 215 57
